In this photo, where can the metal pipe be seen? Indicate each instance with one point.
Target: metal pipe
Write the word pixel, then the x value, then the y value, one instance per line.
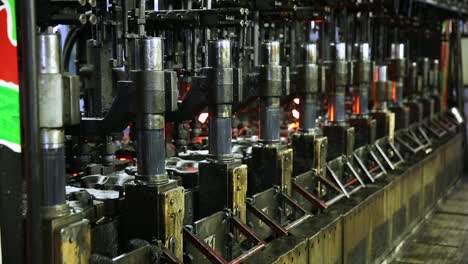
pixel 30 124
pixel 151 102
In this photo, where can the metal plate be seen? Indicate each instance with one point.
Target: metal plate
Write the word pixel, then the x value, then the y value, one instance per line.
pixel 173 215
pixel 75 243
pixel 239 191
pixel 286 162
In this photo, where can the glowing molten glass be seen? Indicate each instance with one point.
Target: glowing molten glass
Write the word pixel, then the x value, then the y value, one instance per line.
pixel 296 114
pixel 203 117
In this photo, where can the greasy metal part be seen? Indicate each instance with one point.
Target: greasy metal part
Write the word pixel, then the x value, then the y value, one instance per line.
pixel 308 88
pixel 209 237
pixel 239 191
pixel 68 237
pixel 71 99
pixel 50 83
pixel 151 107
pixel 363 78
pixel 51 98
pixel 279 207
pixel 398 71
pixel 366 227
pixel 173 215
pixel 341 140
pixel 309 196
pixel 203 247
pixel 271 165
pixel 74 242
pixel 266 219
pixel 155 211
pixel 424 72
pixel 221 75
pixel 390 154
pixel 365 155
pixel 270 90
pixel 225 180
pixel 344 175
pixel 340 71
pixel 381 93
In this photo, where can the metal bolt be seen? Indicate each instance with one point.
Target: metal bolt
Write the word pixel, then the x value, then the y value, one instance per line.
pixel 171 202
pixel 92 19
pixel 82 18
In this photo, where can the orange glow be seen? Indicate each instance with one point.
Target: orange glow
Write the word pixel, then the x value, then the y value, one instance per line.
pixel 293 126
pixel 203 117
pixel 75 174
pixel 122 159
pixel 356 104
pixel 297 101
pixel 394 88
pixel 374 87
pixel 331 112
pixel 296 114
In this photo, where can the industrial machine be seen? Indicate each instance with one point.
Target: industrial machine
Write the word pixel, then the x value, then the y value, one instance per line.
pixel 225 131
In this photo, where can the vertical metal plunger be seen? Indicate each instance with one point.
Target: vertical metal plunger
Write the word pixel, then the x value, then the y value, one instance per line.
pixel 414 82
pixel 398 59
pixel 221 98
pixel 381 93
pixel 340 78
pixel 270 82
pixel 425 68
pixel 308 88
pixel 151 103
pixel 50 86
pixel 363 75
pixel 434 78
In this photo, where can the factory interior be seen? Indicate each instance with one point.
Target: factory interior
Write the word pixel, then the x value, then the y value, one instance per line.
pixel 233 131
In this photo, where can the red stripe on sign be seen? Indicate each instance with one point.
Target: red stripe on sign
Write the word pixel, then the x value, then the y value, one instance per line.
pixel 8 52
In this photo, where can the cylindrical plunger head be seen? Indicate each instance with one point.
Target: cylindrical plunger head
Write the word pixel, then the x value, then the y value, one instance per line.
pixel 270 53
pixel 398 51
pixel 310 53
pixel 364 52
pixel 219 53
pixel 50 82
pixel 340 49
pixel 382 73
pixel 151 54
pixel 381 87
pixel 49 52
